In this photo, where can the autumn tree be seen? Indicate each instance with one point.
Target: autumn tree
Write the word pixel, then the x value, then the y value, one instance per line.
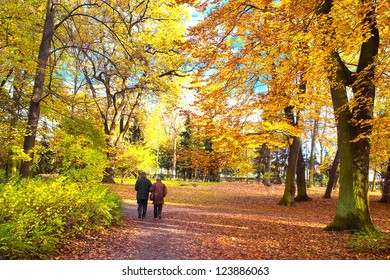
pixel 128 48
pixel 263 163
pixel 174 122
pixel 17 65
pixel 333 175
pixel 353 114
pixel 380 148
pixel 165 125
pixel 254 74
pixel 380 136
pixel 186 144
pixel 386 185
pixel 18 52
pixel 38 88
pixel 196 157
pixel 137 68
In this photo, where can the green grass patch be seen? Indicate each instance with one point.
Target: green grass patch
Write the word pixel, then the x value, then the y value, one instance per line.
pixel 190 193
pixel 371 242
pixel 175 183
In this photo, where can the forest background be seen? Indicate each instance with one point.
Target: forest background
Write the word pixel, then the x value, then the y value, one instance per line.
pixel 279 92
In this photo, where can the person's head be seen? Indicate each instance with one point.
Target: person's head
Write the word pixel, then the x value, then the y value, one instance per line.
pixel 143 174
pixel 158 179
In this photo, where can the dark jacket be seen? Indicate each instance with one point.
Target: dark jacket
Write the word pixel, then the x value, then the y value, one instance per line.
pixel 160 191
pixel 142 187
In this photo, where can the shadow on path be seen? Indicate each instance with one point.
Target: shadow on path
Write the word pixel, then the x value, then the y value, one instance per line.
pixel 161 239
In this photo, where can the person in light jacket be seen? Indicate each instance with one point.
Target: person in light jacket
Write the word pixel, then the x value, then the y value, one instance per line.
pixel 160 191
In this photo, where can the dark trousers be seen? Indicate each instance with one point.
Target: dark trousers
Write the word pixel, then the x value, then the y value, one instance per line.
pixel 157 210
pixel 142 207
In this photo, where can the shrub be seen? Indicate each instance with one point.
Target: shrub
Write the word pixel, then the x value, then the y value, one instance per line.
pixel 36 215
pixel 78 158
pixel 133 158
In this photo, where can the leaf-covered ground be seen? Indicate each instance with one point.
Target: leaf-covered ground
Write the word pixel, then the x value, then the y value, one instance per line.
pixel 228 221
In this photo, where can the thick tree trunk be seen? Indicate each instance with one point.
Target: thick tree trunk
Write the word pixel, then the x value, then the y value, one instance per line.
pixel 289 190
pixel 109 173
pixel 386 185
pixel 333 177
pixel 301 178
pixel 293 155
pixel 34 109
pixel 352 211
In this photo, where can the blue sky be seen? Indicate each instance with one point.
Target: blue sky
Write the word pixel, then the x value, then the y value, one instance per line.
pixel 195 17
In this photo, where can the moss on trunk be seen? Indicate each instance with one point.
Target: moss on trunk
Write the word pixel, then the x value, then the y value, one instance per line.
pixel 352 210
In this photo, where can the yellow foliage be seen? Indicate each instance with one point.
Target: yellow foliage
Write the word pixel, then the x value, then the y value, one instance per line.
pixel 257 58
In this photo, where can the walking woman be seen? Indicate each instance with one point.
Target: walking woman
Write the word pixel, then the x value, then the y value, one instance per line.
pixel 160 191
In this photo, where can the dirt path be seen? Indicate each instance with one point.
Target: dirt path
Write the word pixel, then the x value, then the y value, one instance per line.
pixel 170 238
pixel 161 239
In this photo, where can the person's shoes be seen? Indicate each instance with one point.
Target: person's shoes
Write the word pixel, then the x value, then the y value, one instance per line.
pixel 159 217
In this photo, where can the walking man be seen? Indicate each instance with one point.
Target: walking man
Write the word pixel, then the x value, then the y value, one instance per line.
pixel 142 187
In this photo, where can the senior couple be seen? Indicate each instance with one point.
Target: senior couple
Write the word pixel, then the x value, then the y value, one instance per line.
pixel 143 186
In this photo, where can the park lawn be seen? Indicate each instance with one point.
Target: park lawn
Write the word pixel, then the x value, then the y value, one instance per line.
pixel 256 199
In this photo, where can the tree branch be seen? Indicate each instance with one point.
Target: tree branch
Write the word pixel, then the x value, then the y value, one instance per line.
pixel 172 73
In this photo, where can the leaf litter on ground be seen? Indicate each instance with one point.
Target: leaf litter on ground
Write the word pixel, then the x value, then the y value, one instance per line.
pixel 224 221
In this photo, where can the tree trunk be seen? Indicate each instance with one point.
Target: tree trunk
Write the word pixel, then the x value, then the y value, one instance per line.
pixel 174 161
pixel 109 173
pixel 374 180
pixel 34 109
pixel 293 153
pixel 14 107
pixel 301 178
pixel 289 190
pixel 333 177
pixel 312 154
pixel 386 185
pixel 352 211
pixel 12 162
pixel 267 165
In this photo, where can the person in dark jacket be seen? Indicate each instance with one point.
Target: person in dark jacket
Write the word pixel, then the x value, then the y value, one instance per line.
pixel 142 187
pixel 160 191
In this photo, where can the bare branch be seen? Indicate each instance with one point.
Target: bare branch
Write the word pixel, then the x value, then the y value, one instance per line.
pixel 172 73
